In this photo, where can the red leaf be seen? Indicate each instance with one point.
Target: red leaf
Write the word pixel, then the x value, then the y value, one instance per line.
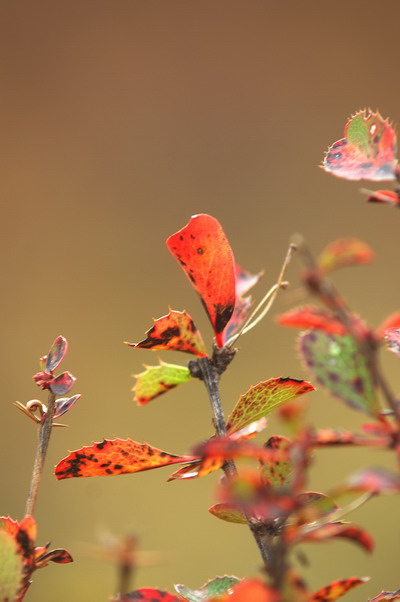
pixel 390 197
pixel 344 253
pixel 203 251
pixel 392 336
pixel 392 321
pixel 62 383
pixel 341 530
pixel 119 456
pixel 175 331
pixel 366 152
pixel 386 596
pixel 56 354
pixel 148 594
pixel 312 317
pixel 376 480
pixel 325 437
pixel 337 589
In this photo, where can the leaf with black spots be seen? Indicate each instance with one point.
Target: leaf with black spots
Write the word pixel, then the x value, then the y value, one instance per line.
pixel 114 457
pixel 176 331
pixel 344 253
pixel 260 400
pixel 214 588
pixel 205 255
pixel 277 473
pixel 338 364
pixel 337 589
pixel 367 151
pixel 56 354
pixel 156 380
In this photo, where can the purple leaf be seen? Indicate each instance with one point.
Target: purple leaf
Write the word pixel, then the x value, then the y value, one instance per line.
pixel 64 404
pixel 56 354
pixel 63 383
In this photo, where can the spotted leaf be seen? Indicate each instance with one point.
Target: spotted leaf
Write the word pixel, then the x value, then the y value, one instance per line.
pixel 113 457
pixel 263 398
pixel 156 380
pixel 277 473
pixel 337 589
pixel 203 251
pixel 339 366
pixel 344 253
pixel 312 317
pixel 212 589
pixel 175 331
pixel 367 151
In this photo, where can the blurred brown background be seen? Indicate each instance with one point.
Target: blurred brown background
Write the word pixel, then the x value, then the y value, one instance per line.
pixel 120 120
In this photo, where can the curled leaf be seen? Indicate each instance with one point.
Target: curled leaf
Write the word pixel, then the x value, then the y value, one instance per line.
pixel 156 380
pixel 389 197
pixel 260 400
pixel 204 253
pixel 176 331
pixel 341 530
pixel 339 366
pixel 113 457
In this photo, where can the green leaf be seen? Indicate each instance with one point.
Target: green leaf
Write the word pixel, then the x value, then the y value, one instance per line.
pixel 228 512
pixel 358 133
pixel 11 568
pixel 338 365
pixel 211 589
pixel 156 380
pixel 263 398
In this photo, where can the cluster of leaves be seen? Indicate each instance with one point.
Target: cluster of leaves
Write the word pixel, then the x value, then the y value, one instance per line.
pixel 263 486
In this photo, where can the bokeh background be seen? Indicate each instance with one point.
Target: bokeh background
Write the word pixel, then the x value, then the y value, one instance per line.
pixel 119 121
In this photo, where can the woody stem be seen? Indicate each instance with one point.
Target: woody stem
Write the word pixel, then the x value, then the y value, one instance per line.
pixel 210 377
pixel 41 450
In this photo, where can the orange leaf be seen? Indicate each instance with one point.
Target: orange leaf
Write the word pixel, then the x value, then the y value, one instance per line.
pixel 113 457
pixel 175 331
pixel 337 589
pixel 312 317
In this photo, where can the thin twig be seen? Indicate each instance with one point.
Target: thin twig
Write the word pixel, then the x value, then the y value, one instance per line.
pixel 41 450
pixel 269 297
